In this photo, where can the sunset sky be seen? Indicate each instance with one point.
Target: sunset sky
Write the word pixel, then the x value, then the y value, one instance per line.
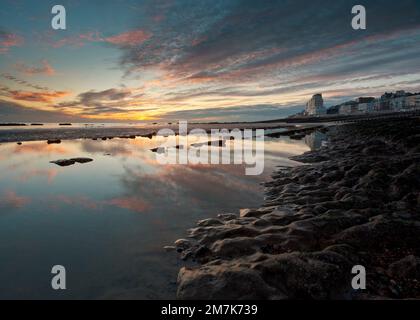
pixel 209 60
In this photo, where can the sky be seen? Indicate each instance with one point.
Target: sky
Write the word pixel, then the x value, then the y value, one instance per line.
pixel 205 60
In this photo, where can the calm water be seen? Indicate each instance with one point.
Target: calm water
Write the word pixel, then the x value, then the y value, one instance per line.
pixel 107 221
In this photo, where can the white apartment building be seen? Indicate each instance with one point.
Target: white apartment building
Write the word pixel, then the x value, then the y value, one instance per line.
pixel 398 103
pixel 315 106
pixel 366 107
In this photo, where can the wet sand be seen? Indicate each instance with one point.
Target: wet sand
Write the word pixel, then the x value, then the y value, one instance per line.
pixel 355 202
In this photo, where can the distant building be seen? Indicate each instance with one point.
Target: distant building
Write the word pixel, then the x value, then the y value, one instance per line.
pixel 365 104
pixel 413 101
pixel 365 107
pixel 315 106
pixel 400 101
pixel 365 99
pixel 333 110
pixel 348 107
pixel 383 104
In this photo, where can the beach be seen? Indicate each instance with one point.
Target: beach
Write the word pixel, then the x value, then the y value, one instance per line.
pixel 330 197
pixel 354 201
pixel 105 209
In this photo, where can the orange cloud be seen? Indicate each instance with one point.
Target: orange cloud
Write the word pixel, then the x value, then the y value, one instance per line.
pixel 45 96
pixel 41 148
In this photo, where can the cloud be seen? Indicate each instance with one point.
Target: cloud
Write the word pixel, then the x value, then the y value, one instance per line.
pixel 44 69
pixel 23 82
pixel 130 38
pixel 15 112
pixel 130 203
pixel 50 174
pixel 8 40
pixel 125 39
pixel 11 200
pixel 110 101
pixel 98 99
pixel 236 113
pixel 252 44
pixel 232 55
pixel 78 40
pixel 93 97
pixel 34 96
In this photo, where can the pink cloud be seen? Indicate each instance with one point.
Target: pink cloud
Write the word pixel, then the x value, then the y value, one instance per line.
pixel 76 41
pixel 129 38
pixel 45 69
pixel 9 40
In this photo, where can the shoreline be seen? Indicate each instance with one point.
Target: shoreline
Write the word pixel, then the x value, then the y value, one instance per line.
pixel 355 202
pixel 72 133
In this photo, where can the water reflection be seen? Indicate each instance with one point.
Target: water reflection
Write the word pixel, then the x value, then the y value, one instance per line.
pixel 315 140
pixel 107 221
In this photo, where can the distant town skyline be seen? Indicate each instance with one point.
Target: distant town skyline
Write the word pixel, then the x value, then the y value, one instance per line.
pixel 400 101
pixel 235 60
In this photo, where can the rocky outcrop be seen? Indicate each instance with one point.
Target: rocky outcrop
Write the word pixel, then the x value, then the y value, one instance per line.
pixel 54 141
pixel 356 202
pixel 69 162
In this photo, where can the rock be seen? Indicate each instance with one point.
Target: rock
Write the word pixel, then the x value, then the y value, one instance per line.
pixel 69 162
pixel 81 160
pixel 249 213
pixel 209 222
pixel 63 162
pixel 406 268
pixel 356 203
pixel 150 135
pixel 227 216
pixel 231 282
pixel 216 143
pixel 169 248
pixel 183 244
pixel 158 150
pixel 54 141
